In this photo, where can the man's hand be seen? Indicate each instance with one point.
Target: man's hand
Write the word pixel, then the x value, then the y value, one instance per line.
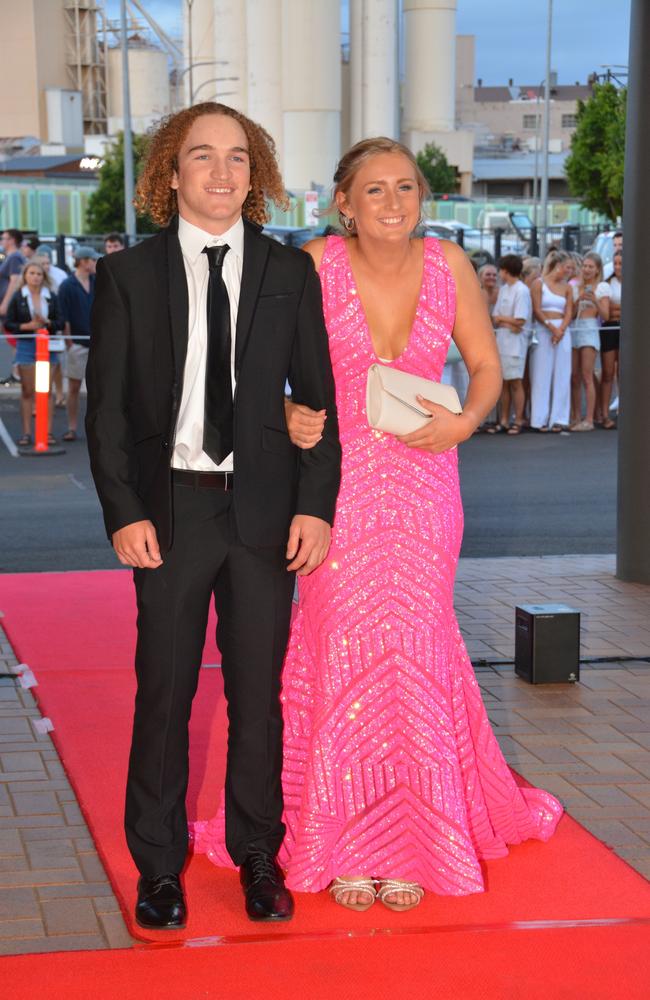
pixel 309 542
pixel 137 545
pixel 444 431
pixel 305 426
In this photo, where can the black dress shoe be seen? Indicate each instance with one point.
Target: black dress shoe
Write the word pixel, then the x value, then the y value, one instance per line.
pixel 161 903
pixel 262 880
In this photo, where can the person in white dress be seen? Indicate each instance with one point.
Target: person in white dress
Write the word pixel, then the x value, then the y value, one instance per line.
pixel 550 363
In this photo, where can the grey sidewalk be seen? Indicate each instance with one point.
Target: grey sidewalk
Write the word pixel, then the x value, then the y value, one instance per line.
pixel 588 743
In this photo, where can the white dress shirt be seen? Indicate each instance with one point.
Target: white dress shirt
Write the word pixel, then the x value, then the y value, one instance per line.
pixel 188 443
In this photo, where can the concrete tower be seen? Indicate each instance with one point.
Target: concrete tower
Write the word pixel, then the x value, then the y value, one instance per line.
pixel 374 75
pixel 429 87
pixel 264 61
pixel 311 91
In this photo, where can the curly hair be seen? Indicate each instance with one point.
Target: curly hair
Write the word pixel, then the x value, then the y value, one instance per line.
pixel 154 195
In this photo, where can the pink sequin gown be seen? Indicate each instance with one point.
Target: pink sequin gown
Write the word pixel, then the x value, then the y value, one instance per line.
pixel 391 768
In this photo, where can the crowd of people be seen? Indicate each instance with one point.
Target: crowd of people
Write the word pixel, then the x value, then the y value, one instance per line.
pixel 37 294
pixel 556 322
pixel 557 325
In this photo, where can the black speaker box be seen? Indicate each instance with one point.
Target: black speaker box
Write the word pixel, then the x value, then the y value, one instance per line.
pixel 547 643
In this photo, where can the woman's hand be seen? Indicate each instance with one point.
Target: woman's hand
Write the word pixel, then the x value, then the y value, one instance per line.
pixel 444 431
pixel 305 426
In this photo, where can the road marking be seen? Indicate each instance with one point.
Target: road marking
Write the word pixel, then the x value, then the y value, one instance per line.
pixel 77 483
pixel 8 440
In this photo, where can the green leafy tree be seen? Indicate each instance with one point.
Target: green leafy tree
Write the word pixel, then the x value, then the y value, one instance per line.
pixel 595 165
pixel 441 176
pixel 105 212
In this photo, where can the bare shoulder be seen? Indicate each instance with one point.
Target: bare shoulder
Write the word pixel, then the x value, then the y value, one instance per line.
pixel 315 249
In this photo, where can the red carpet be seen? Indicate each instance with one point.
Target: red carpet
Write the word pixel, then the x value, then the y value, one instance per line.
pixel 76 631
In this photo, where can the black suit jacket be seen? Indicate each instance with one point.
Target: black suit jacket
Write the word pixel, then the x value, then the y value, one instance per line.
pixel 135 376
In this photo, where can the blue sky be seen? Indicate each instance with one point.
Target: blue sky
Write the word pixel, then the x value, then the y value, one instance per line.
pixel 511 35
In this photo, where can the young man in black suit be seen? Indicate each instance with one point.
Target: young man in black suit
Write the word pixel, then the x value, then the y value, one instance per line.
pixel 195 332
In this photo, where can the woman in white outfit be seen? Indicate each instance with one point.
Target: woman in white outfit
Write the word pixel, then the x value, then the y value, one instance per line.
pixel 591 306
pixel 550 362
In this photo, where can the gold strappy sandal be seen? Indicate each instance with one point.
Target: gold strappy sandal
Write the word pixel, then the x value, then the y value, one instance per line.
pixel 390 885
pixel 341 886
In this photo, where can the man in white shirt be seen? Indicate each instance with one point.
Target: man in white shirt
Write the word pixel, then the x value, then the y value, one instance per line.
pixel 511 318
pixel 195 333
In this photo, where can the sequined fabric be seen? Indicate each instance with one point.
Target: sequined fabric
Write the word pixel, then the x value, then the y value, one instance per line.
pixel 391 768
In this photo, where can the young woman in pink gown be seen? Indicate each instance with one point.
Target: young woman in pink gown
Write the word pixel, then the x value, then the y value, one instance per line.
pixel 393 780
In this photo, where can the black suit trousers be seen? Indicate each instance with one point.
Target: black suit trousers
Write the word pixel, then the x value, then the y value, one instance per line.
pixel 252 592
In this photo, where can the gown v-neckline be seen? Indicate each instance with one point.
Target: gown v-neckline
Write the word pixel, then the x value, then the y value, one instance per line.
pixel 362 309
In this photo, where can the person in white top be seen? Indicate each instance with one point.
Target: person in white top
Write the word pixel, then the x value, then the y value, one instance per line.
pixel 550 363
pixel 590 306
pixel 511 318
pixel 610 337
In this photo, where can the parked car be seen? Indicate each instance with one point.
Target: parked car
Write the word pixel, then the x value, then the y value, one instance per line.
pixel 479 243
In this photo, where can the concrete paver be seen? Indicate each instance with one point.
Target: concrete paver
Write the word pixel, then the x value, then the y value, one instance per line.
pixel 588 744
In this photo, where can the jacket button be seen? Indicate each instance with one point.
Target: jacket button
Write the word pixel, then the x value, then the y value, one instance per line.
pixel 165 444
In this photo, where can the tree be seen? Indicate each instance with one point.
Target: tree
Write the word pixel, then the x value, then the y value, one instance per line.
pixel 105 211
pixel 595 165
pixel 441 176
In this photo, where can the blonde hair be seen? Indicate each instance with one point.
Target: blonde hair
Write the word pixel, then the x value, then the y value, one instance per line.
pixel 598 261
pixel 34 263
pixel 532 265
pixel 352 161
pixel 154 195
pixel 553 258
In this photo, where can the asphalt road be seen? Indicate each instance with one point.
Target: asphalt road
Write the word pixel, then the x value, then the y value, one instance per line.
pixel 529 495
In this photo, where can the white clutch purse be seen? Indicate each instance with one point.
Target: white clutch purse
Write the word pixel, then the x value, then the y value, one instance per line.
pixel 391 399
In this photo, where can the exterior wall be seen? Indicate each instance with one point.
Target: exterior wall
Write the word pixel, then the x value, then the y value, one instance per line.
pixel 32 56
pixel 507 119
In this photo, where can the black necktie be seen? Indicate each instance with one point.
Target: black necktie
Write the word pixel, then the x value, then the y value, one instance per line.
pixel 217 414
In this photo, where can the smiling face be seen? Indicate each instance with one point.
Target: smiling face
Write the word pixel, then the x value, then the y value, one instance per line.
pixel 34 276
pixel 383 198
pixel 212 180
pixel 488 277
pixel 589 271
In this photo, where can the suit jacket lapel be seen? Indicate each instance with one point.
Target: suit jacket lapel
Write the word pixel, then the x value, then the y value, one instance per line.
pixel 256 251
pixel 178 297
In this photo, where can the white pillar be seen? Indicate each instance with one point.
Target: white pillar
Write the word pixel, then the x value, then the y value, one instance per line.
pixel 311 91
pixel 202 15
pixel 374 68
pixel 430 65
pixel 229 73
pixel 264 62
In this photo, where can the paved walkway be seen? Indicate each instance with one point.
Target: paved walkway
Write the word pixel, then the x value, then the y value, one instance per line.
pixel 587 743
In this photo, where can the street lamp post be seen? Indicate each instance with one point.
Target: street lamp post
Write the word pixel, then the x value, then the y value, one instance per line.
pixel 129 211
pixel 547 128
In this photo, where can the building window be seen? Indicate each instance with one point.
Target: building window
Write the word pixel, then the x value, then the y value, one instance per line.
pixel 569 121
pixel 532 121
